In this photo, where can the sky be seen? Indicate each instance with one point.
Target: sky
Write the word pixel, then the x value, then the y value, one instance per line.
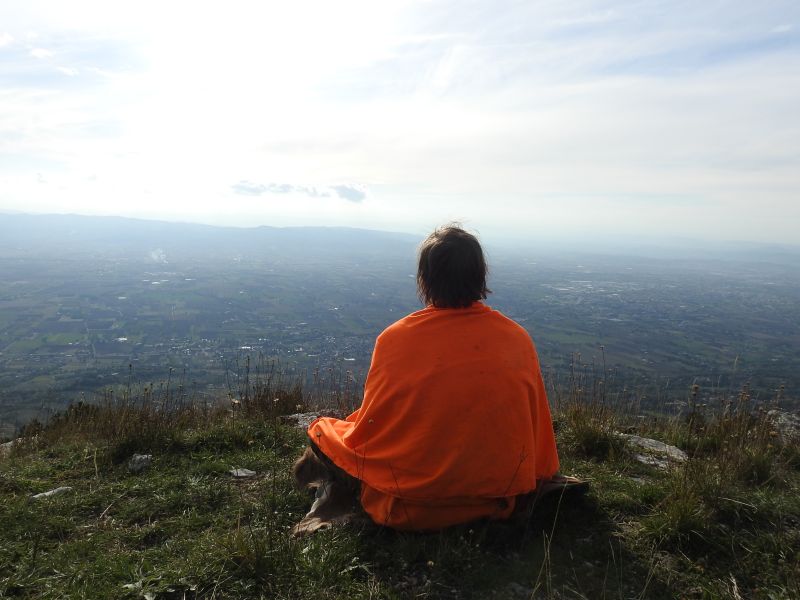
pixel 522 120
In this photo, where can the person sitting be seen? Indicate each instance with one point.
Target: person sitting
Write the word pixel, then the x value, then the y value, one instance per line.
pixel 454 425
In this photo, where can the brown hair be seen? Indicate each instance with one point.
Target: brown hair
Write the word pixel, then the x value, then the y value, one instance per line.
pixel 452 269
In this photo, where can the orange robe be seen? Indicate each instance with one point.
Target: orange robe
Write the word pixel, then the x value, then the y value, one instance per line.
pixel 454 424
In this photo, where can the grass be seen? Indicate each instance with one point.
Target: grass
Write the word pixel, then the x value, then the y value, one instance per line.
pixel 724 524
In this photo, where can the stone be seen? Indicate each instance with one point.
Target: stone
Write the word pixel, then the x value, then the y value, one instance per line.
pixel 55 492
pixel 301 420
pixel 5 449
pixel 139 462
pixel 656 454
pixel 786 425
pixel 651 461
pixel 242 473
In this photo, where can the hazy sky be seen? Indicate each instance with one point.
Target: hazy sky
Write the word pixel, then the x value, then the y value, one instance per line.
pixel 527 118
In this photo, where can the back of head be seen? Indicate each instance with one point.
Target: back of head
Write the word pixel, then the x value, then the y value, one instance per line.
pixel 452 269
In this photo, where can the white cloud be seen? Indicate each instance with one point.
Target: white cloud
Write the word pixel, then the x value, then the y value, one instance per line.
pixel 349 192
pixel 5 39
pixel 41 53
pixel 248 188
pixel 785 28
pixel 68 71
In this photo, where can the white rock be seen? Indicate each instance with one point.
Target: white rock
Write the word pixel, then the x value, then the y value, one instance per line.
pixel 786 424
pixel 657 454
pixel 139 462
pixel 652 461
pixel 55 492
pixel 5 449
pixel 301 420
pixel 241 473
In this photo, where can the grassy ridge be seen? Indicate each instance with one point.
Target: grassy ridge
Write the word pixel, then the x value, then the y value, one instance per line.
pixel 726 524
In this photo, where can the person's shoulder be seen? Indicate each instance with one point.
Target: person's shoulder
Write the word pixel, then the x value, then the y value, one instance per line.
pixel 401 326
pixel 510 325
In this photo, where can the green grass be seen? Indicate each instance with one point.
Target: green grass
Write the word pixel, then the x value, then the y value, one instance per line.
pixel 186 529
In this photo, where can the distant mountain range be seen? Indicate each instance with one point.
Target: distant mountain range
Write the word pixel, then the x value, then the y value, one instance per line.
pixel 42 235
pixel 124 237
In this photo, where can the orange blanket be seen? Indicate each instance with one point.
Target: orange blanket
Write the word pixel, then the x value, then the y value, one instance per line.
pixel 454 423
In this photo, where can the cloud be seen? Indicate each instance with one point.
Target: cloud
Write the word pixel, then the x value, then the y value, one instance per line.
pixel 353 193
pixel 68 71
pixel 786 28
pixel 349 192
pixel 5 39
pixel 248 188
pixel 41 53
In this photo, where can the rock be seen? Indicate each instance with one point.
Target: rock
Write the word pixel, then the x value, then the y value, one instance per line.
pixel 301 420
pixel 139 462
pixel 242 473
pixel 657 454
pixel 55 492
pixel 5 449
pixel 786 425
pixel 659 462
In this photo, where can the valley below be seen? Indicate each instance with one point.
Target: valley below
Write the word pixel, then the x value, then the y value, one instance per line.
pixel 110 304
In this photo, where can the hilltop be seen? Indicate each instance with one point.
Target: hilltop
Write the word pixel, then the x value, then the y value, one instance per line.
pixel 722 523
